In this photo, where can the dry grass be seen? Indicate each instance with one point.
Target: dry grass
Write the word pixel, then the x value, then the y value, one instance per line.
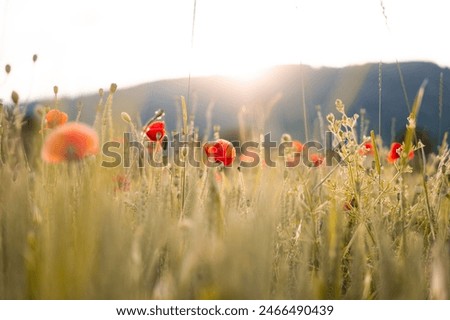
pixel 353 231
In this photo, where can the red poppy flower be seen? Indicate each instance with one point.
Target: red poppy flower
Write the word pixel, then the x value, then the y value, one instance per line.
pixel 394 153
pixel 316 159
pixel 71 141
pixel 155 131
pixel 297 146
pixel 55 118
pixel 122 183
pixel 221 151
pixel 366 149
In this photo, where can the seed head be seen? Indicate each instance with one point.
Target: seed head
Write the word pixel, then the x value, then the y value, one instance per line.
pixel 125 117
pixel 8 69
pixel 113 88
pixel 15 97
pixel 286 137
pixel 411 122
pixel 330 118
pixel 339 105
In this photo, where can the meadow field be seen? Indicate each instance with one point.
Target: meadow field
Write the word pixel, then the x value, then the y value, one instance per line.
pixel 374 223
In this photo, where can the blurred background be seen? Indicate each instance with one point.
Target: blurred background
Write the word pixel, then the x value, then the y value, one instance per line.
pixel 261 61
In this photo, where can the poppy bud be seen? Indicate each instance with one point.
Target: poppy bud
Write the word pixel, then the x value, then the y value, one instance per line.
pixel 55 118
pixel 113 88
pixel 15 97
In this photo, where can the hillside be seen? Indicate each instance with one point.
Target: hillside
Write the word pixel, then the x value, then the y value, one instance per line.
pixel 356 86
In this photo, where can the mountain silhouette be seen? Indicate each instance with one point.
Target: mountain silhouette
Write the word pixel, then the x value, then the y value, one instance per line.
pixel 274 102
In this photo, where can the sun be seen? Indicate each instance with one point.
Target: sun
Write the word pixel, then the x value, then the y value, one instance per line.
pixel 241 68
pixel 230 39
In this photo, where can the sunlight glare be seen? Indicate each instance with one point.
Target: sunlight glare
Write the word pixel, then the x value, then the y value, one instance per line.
pixel 240 66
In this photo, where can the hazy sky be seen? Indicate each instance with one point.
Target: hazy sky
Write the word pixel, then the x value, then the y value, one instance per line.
pixel 84 45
